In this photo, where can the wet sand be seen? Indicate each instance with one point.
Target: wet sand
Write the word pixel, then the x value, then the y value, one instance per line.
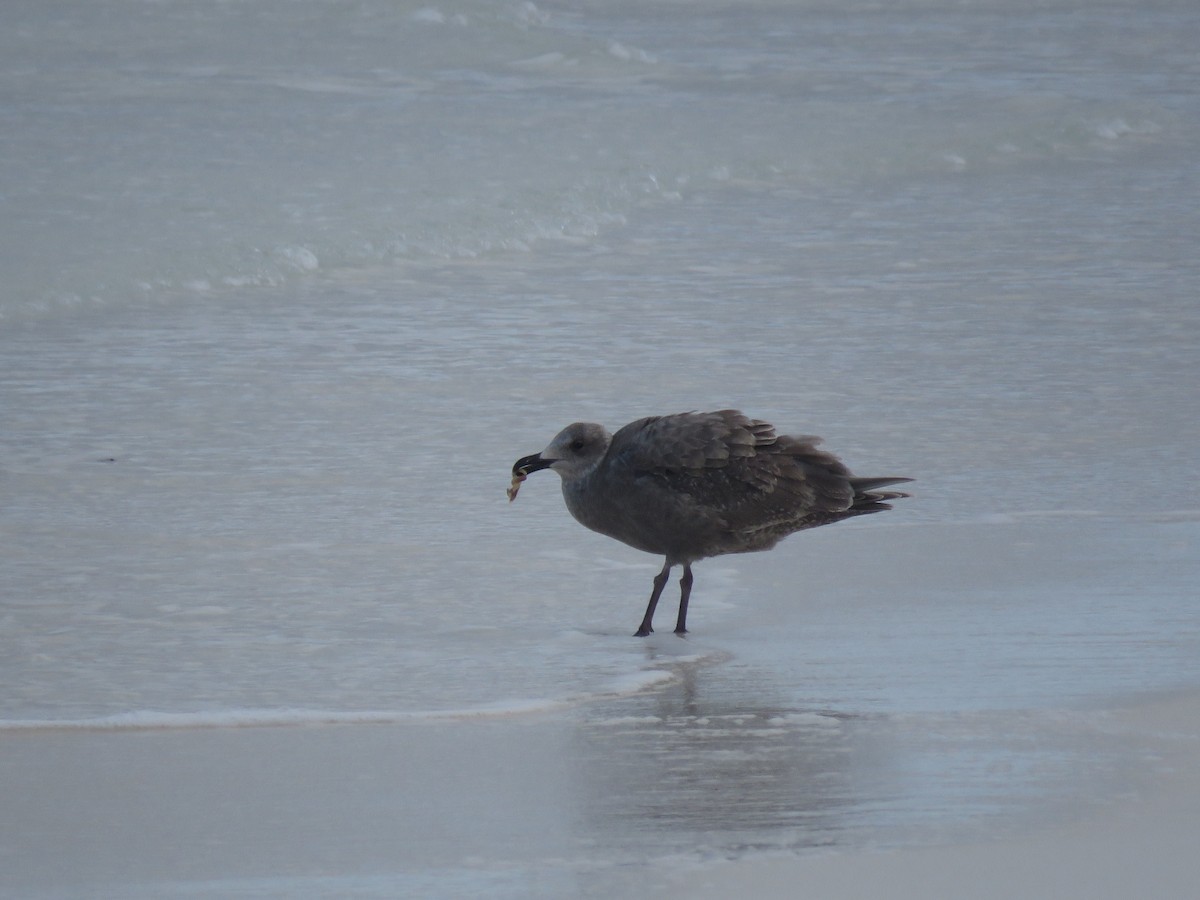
pixel 1140 843
pixel 526 806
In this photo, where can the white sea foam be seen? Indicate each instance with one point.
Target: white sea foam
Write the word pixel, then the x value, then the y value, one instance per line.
pixel 433 152
pixel 150 720
pixel 155 720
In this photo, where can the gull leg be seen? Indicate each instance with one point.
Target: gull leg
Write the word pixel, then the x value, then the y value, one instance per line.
pixel 660 581
pixel 685 591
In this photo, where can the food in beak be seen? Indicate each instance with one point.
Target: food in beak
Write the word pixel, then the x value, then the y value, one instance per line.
pixel 515 486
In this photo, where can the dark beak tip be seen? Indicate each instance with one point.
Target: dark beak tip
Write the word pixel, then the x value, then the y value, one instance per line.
pixel 532 463
pixel 523 466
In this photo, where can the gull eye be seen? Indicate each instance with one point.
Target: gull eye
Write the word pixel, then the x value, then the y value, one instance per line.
pixel 576 445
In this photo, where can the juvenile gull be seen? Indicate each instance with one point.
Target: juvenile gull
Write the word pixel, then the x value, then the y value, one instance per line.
pixel 699 484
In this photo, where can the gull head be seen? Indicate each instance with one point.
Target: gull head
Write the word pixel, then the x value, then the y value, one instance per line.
pixel 574 452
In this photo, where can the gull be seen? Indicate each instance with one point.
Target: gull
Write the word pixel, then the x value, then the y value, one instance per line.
pixel 692 485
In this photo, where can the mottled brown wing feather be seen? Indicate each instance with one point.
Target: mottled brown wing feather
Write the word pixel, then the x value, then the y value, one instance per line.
pixel 734 467
pixel 688 441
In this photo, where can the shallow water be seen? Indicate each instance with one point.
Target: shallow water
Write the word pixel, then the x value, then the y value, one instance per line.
pixel 281 313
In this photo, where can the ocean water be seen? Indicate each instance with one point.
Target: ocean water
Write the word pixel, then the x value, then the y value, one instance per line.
pixel 288 285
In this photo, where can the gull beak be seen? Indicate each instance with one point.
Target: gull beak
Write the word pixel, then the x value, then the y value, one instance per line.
pixel 528 464
pixel 523 467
